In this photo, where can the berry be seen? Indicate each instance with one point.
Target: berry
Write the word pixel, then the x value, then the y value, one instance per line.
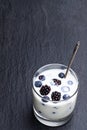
pixel 65 89
pixel 66 96
pixel 43 104
pixel 57 82
pixel 52 83
pixel 56 96
pixel 42 77
pixel 54 112
pixel 70 82
pixel 38 84
pixel 55 107
pixel 61 75
pixel 40 112
pixel 45 99
pixel 45 90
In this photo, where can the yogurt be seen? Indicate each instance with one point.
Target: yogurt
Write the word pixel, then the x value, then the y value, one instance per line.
pixel 54 96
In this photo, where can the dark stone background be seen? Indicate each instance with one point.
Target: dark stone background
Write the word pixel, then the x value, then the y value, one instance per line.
pixel 34 33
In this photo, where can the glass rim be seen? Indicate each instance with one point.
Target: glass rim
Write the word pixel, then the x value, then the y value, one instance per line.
pixel 55 64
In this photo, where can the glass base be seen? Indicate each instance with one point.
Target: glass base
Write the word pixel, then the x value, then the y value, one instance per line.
pixel 51 123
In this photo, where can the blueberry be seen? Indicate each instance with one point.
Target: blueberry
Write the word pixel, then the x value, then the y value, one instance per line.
pixel 40 112
pixel 55 107
pixel 52 83
pixel 66 96
pixel 42 77
pixel 70 108
pixel 43 104
pixel 54 112
pixel 65 89
pixel 38 84
pixel 61 75
pixel 70 82
pixel 45 99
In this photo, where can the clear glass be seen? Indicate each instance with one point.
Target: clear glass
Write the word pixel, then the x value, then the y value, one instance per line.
pixel 54 113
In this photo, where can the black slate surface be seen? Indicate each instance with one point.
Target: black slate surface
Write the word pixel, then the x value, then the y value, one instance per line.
pixel 34 33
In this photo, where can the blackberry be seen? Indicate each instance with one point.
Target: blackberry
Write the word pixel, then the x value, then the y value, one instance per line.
pixel 57 82
pixel 42 77
pixel 45 90
pixel 56 96
pixel 61 75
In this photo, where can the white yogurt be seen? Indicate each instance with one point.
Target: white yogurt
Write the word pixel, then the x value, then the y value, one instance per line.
pixel 55 110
